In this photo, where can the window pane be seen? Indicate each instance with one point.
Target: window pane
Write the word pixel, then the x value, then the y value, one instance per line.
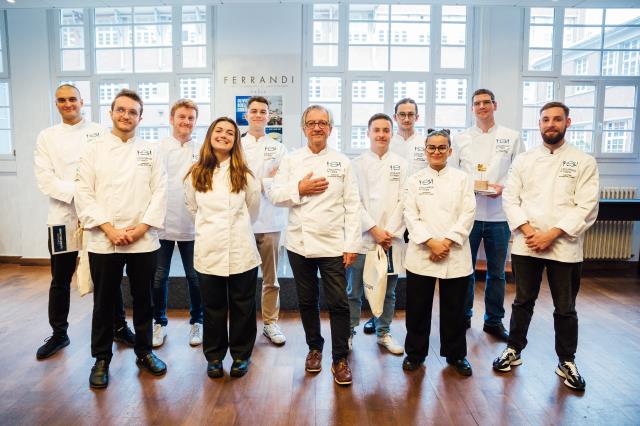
pixel 537 93
pixel 368 58
pixel 155 14
pixel 194 57
pixel 155 92
pixel 108 91
pixel 325 89
pixel 73 60
pixel 622 37
pixel 540 59
pixel 410 59
pixel 404 12
pixel 415 90
pixel 367 91
pixel 582 37
pixel 5 142
pixel 71 37
pixel 152 35
pixel 580 95
pixel 530 116
pixel 71 16
pixel 451 116
pixel 540 36
pixel 453 34
pixel 367 33
pixel 113 15
pixel 620 96
pixel 325 11
pixel 531 138
pixel 369 12
pixel 454 13
pixel 362 112
pixel 194 13
pixel 153 60
pixel 113 36
pixel 156 115
pixel 622 16
pixel 581 118
pixel 336 111
pixel 583 140
pixel 114 61
pixel 359 140
pixel 580 62
pixel 325 32
pixel 541 15
pixel 325 55
pixel 5 121
pixel 452 57
pixel 582 16
pixel 196 89
pixel 451 90
pixel 410 34
pixel 622 117
pixel 194 34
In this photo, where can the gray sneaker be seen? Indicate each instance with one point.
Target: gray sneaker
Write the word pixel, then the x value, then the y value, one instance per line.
pixel 572 378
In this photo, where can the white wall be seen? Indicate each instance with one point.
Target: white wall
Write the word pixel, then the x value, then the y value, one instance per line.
pixel 259 36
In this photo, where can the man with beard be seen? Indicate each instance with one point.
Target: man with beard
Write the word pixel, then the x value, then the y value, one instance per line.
pixel 551 199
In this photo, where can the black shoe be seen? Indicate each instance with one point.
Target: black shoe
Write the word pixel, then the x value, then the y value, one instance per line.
pixel 467 323
pixel 152 364
pixel 214 369
pixel 409 365
pixel 124 335
pixel 239 367
pixel 572 378
pixel 99 377
pixel 52 345
pixel 370 326
pixel 462 366
pixel 498 331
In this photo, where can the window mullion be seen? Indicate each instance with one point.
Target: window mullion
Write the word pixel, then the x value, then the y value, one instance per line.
pixel 558 34
pixel 436 38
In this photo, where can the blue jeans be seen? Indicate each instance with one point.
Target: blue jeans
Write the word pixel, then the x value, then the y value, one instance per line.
pixel 160 282
pixel 496 243
pixel 355 290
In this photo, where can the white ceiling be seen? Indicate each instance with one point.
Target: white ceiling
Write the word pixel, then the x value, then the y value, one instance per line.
pixel 32 4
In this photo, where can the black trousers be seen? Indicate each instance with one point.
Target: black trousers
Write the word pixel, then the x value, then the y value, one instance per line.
pixel 334 282
pixel 420 290
pixel 63 266
pixel 564 283
pixel 107 272
pixel 235 294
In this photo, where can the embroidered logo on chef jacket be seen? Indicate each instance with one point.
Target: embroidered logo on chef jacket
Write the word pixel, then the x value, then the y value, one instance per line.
pixel 418 154
pixel 270 153
pixel 91 136
pixel 503 145
pixel 568 169
pixel 144 157
pixel 394 173
pixel 195 157
pixel 425 186
pixel 334 169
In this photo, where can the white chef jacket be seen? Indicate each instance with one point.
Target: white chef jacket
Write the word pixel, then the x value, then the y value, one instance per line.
pixel 224 244
pixel 380 184
pixel 178 159
pixel 411 150
pixel 439 205
pixel 496 149
pixel 323 225
pixel 123 183
pixel 558 190
pixel 56 158
pixel 262 156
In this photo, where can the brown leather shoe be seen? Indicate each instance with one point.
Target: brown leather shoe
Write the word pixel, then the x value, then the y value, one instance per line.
pixel 313 363
pixel 341 372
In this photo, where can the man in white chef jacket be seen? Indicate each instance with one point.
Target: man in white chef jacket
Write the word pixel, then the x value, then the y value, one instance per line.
pixel 263 155
pixel 318 186
pixel 179 151
pixel 381 175
pixel 121 195
pixel 551 199
pixel 407 142
pixel 56 159
pixel 490 147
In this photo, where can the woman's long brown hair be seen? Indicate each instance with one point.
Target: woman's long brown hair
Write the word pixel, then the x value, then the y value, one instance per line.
pixel 202 171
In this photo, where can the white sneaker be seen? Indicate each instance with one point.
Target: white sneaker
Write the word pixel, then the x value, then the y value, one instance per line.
pixel 195 334
pixel 392 346
pixel 273 333
pixel 159 333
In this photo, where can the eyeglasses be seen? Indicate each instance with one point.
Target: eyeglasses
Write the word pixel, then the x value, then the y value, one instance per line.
pixel 123 111
pixel 485 102
pixel 440 148
pixel 312 124
pixel 409 115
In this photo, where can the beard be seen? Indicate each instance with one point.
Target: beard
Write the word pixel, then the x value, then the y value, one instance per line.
pixel 552 140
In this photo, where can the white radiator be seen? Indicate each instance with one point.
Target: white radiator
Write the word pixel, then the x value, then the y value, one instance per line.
pixel 611 239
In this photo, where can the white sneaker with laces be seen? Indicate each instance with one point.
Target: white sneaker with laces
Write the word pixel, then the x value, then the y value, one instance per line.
pixel 273 333
pixel 195 334
pixel 389 342
pixel 159 333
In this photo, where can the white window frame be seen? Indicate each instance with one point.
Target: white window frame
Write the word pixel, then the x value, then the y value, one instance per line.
pixel 7 161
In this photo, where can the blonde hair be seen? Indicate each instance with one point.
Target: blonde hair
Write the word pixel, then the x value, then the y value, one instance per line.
pixel 184 103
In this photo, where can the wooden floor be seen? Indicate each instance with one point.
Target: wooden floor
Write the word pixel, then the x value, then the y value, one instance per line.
pixel 277 391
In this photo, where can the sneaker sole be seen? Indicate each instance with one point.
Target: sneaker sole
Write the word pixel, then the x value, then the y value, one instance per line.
pixel 506 369
pixel 52 353
pixel 339 382
pixel 566 382
pixel 194 344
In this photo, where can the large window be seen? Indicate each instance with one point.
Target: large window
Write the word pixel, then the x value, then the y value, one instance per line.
pixel 6 139
pixel 596 75
pixel 362 58
pixel 161 52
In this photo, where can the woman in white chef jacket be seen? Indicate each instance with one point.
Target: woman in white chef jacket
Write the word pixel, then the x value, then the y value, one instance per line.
pixel 439 212
pixel 224 198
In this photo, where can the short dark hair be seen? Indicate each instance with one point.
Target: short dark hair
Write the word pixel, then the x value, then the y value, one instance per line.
pixel 555 104
pixel 445 133
pixel 483 92
pixel 131 94
pixel 69 86
pixel 260 99
pixel 405 101
pixel 379 116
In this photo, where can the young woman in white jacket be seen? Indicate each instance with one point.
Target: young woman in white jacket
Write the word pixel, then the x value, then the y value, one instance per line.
pixel 224 199
pixel 439 210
